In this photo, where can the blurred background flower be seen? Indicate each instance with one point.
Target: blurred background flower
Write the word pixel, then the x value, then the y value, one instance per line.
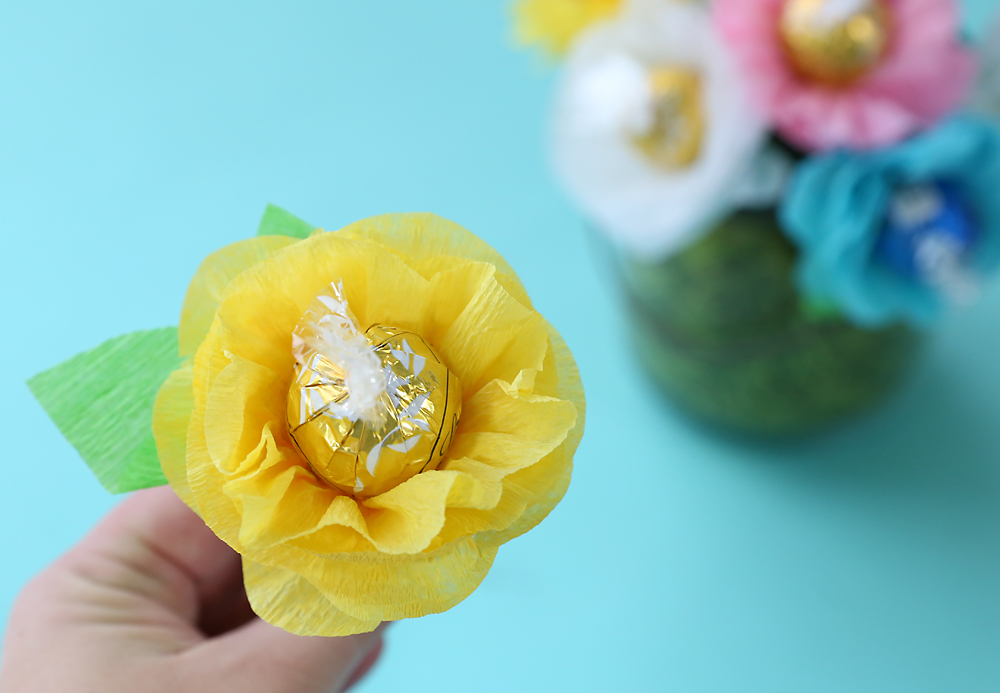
pixel 896 233
pixel 554 24
pixel 849 73
pixel 653 134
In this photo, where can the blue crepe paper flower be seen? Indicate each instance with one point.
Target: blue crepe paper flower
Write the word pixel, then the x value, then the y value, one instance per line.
pixel 837 205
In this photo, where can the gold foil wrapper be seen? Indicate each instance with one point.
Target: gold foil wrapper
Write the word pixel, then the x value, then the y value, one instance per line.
pixel 831 49
pixel 408 431
pixel 675 138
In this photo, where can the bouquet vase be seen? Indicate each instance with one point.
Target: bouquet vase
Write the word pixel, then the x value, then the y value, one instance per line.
pixel 721 328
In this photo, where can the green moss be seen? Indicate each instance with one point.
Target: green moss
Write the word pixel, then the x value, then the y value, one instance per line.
pixel 721 327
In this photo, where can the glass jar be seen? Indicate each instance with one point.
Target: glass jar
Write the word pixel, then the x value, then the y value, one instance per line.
pixel 721 327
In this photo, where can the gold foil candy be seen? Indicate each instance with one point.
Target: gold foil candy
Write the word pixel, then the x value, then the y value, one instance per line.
pixel 409 428
pixel 675 137
pixel 835 42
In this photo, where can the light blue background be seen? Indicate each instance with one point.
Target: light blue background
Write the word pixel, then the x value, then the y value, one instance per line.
pixel 137 137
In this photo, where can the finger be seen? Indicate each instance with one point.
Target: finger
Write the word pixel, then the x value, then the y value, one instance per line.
pixel 262 657
pixel 227 609
pixel 154 545
pixel 365 666
pixel 164 524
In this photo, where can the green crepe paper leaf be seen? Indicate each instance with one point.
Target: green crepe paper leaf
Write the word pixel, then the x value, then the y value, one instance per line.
pixel 278 222
pixel 102 401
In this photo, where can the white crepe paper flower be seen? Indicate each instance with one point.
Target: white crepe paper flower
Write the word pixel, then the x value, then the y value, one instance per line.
pixel 607 101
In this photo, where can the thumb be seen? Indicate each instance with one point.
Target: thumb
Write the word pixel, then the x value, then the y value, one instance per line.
pixel 262 657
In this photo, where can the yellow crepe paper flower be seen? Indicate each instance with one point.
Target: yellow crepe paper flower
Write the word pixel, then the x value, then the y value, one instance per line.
pixel 554 24
pixel 318 561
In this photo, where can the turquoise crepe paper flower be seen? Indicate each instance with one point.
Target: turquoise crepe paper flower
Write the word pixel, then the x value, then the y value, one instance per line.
pixel 837 203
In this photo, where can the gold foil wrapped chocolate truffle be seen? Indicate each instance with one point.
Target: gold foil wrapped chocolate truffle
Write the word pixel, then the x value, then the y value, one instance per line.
pixel 678 125
pixel 835 42
pixel 368 410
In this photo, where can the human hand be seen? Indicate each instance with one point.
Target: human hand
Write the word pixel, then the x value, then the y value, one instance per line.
pixel 152 601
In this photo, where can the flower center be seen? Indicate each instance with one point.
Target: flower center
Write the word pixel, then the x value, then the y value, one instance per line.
pixel 367 410
pixel 835 42
pixel 676 129
pixel 928 236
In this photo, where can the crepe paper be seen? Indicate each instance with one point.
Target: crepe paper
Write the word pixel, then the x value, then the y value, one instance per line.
pixel 837 209
pixel 326 558
pixel 554 24
pixel 211 280
pixel 479 402
pixel 278 222
pixel 608 101
pixel 721 328
pixel 102 402
pixel 925 75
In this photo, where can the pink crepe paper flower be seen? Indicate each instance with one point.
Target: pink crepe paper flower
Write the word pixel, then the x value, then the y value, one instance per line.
pixel 925 74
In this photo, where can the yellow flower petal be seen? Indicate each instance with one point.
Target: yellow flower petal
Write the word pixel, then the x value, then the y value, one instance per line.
pixel 570 388
pixel 244 398
pixel 426 236
pixel 408 517
pixel 211 280
pixel 246 441
pixel 382 587
pixel 289 601
pixel 511 430
pixel 478 485
pixel 275 508
pixel 532 515
pixel 288 281
pixel 171 416
pixel 450 290
pixel 342 529
pixel 204 479
pixel 535 489
pixel 494 337
pixel 432 267
pixel 555 24
pixel 562 380
pixel 431 245
pixel 454 284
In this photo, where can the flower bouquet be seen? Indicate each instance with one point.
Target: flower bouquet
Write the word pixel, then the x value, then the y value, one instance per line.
pixel 798 189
